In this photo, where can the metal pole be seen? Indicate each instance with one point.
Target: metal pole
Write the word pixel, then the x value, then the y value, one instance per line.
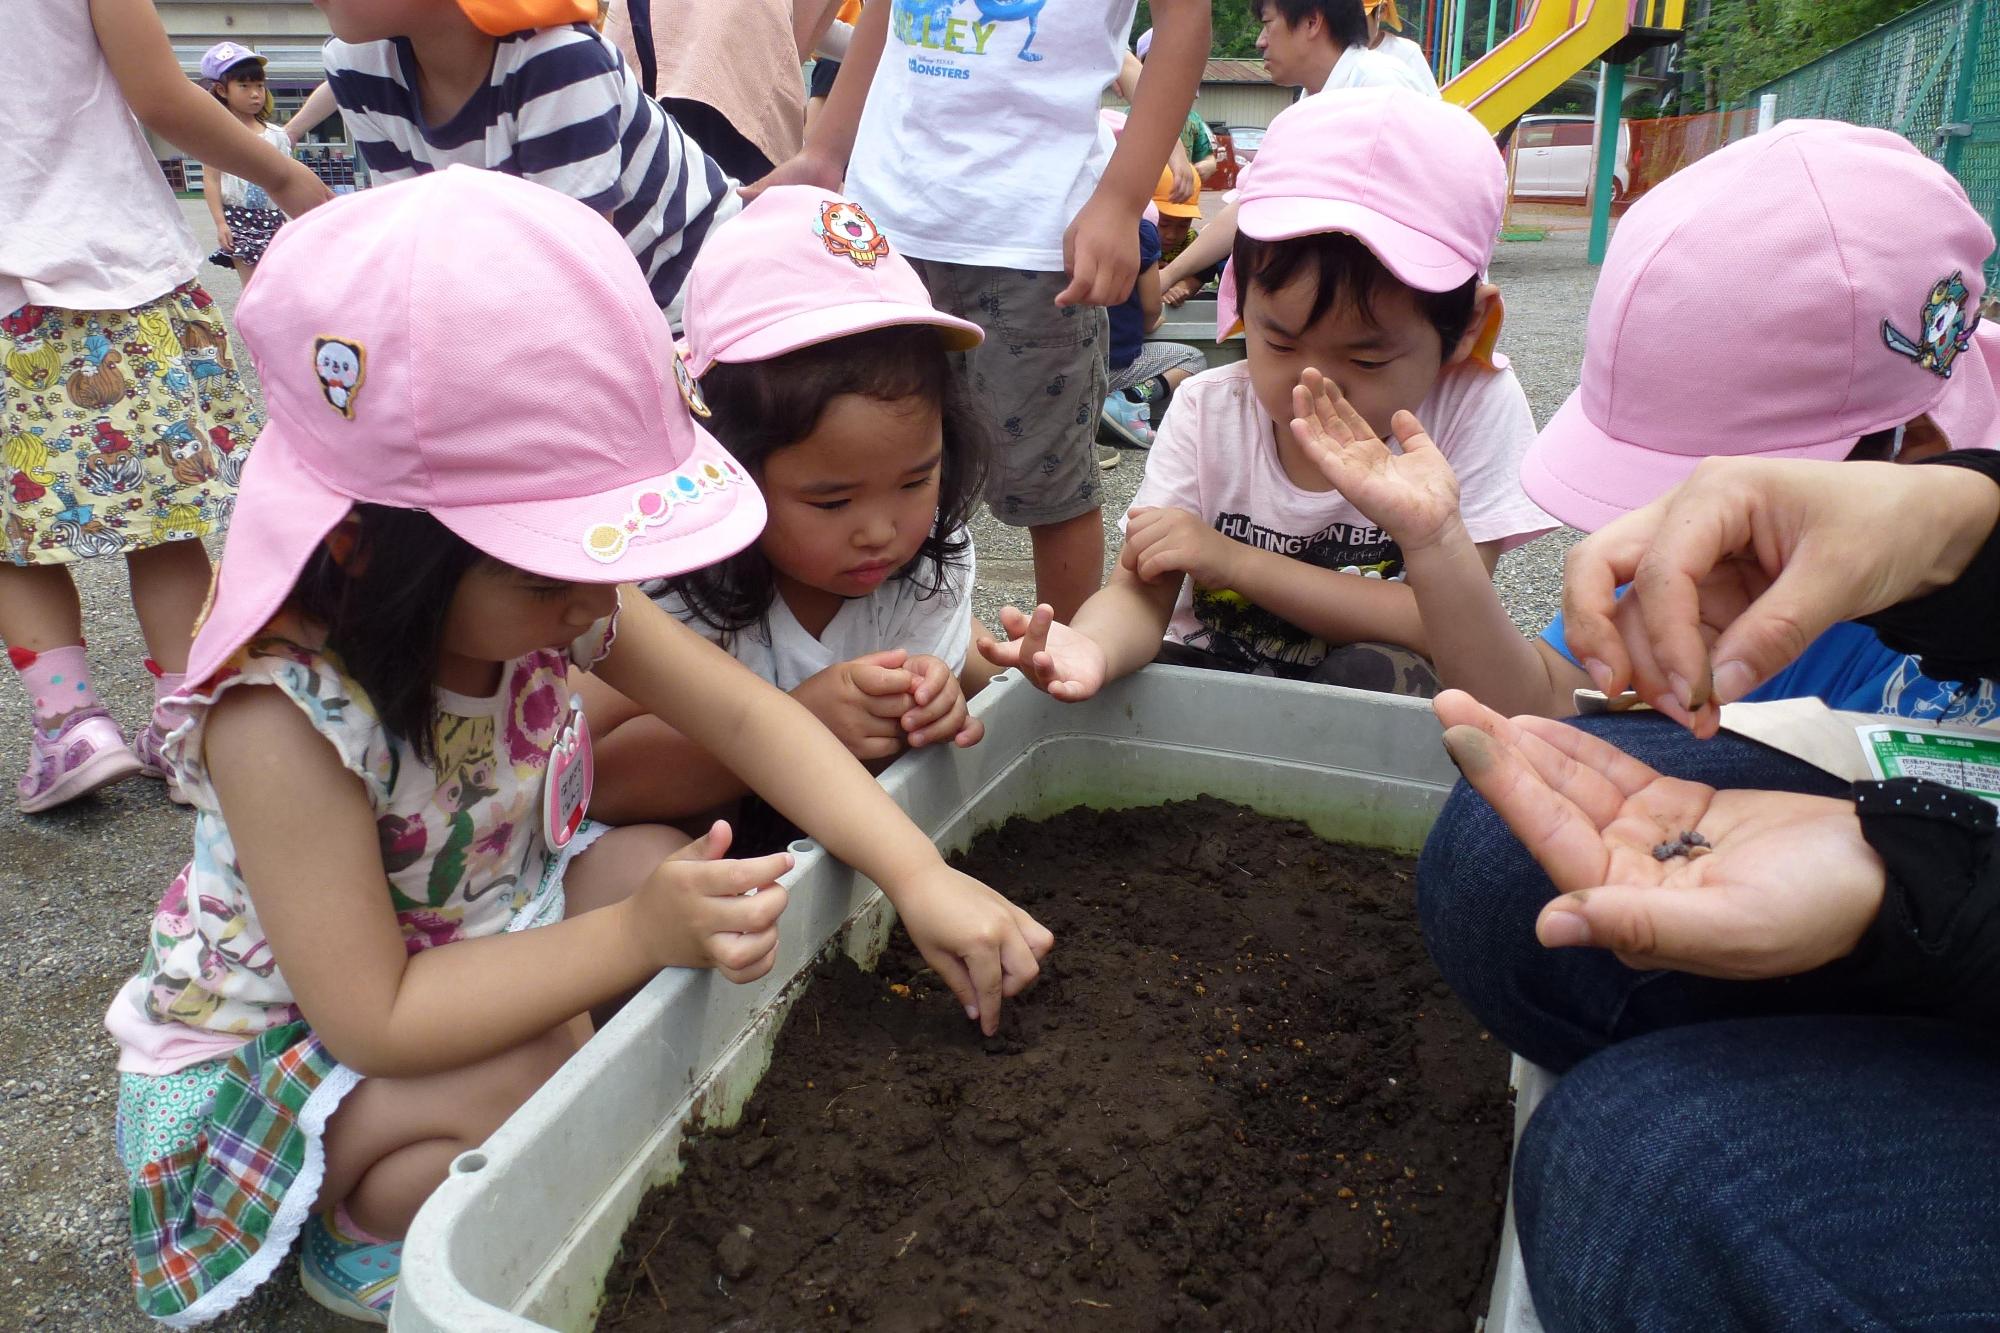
pixel 1457 37
pixel 1961 96
pixel 1610 104
pixel 1492 21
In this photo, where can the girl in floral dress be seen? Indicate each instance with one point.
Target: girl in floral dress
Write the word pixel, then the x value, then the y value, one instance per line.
pixel 397 911
pixel 123 421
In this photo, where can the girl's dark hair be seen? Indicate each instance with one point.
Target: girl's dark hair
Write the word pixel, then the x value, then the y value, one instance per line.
pixel 1346 21
pixel 759 407
pixel 1347 271
pixel 246 68
pixel 384 608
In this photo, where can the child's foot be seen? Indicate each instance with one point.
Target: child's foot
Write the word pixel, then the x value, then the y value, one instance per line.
pixel 89 752
pixel 1126 421
pixel 349 1276
pixel 1107 457
pixel 146 748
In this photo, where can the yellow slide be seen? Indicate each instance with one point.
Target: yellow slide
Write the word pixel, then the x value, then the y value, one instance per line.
pixel 1559 38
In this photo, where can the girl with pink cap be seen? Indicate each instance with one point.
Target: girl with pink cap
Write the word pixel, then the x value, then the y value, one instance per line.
pixel 398 916
pixel 1729 321
pixel 826 370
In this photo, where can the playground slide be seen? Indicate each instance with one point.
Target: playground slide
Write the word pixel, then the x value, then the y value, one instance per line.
pixel 1558 38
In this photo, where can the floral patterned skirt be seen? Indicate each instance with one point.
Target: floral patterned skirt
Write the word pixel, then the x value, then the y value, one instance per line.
pixel 119 429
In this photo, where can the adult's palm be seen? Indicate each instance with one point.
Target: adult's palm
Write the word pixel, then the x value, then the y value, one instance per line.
pixel 1786 884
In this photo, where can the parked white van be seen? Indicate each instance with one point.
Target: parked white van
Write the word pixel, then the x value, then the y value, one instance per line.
pixel 1552 158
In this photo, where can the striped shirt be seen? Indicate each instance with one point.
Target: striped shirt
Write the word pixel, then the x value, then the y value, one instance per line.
pixel 561 109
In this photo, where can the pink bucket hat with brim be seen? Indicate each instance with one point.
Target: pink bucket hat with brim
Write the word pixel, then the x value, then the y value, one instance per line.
pixel 483 348
pixel 1416 180
pixel 1780 298
pixel 800 266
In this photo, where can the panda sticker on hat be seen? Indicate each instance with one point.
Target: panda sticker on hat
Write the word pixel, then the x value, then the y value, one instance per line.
pixel 340 364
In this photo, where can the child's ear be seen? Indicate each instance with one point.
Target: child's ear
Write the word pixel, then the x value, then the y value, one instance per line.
pixel 1922 439
pixel 1483 298
pixel 341 541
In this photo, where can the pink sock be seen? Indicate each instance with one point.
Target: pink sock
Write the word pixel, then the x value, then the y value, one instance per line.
pixel 58 684
pixel 164 682
pixel 346 1228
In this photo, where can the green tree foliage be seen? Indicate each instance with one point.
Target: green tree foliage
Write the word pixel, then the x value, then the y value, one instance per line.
pixel 1743 44
pixel 1235 28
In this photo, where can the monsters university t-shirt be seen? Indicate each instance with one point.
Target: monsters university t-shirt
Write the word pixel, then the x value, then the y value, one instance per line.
pixel 980 139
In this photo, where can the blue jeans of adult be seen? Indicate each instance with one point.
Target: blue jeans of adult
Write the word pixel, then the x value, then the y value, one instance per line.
pixel 1786 1154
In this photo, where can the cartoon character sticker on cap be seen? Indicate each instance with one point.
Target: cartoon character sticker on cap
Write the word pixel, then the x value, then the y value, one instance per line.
pixel 340 364
pixel 689 386
pixel 1947 330
pixel 847 230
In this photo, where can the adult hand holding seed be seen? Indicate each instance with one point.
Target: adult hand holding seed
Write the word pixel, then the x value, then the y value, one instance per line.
pixel 1772 552
pixel 1788 882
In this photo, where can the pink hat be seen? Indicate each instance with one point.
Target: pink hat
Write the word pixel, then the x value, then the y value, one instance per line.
pixel 800 266
pixel 1416 180
pixel 483 348
pixel 1782 297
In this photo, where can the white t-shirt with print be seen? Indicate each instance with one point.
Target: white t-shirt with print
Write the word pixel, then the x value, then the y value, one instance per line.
pixel 1216 456
pixel 1359 67
pixel 979 142
pixel 895 615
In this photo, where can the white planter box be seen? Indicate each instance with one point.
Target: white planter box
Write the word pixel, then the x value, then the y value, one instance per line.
pixel 522 1234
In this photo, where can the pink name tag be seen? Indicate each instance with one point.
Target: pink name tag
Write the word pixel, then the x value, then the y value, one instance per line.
pixel 566 793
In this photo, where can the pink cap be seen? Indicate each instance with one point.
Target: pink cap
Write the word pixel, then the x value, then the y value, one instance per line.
pixel 1782 297
pixel 800 266
pixel 483 348
pixel 1416 180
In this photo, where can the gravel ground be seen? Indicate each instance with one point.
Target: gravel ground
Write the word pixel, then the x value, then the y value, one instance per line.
pixel 83 881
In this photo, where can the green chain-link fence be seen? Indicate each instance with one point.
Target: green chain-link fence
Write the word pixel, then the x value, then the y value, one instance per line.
pixel 1932 76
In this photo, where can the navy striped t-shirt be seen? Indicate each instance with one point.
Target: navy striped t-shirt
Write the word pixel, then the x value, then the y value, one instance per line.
pixel 560 108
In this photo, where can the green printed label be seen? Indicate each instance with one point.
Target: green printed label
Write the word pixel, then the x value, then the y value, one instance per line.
pixel 1953 758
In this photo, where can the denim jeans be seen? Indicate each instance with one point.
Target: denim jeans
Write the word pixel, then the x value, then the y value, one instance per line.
pixel 1721 1155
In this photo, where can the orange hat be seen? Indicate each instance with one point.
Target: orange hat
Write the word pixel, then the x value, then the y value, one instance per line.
pixel 1387 8
pixel 497 18
pixel 1163 198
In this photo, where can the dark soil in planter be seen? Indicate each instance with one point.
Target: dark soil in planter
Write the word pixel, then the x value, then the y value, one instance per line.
pixel 1239 1098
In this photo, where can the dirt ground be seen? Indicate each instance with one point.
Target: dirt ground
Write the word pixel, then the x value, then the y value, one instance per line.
pixel 82 881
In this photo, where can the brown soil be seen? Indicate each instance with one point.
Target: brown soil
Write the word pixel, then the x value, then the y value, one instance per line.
pixel 1239 1098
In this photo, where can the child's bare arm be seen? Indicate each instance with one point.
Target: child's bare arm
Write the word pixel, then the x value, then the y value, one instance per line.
pixel 1413 495
pixel 823 159
pixel 305 836
pixel 211 193
pixel 1101 248
pixel 168 103
pixel 1209 247
pixel 319 104
pixel 982 945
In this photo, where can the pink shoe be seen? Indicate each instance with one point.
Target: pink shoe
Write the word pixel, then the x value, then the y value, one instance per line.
pixel 88 753
pixel 146 748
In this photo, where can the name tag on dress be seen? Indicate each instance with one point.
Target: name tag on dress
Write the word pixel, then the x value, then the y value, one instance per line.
pixel 566 792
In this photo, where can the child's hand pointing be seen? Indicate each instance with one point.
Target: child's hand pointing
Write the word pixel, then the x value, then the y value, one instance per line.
pixel 983 946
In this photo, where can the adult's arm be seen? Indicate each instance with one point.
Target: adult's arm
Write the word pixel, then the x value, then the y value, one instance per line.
pixel 1789 548
pixel 1955 629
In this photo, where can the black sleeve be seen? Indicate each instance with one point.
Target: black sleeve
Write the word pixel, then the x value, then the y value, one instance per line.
pixel 1955 631
pixel 1934 947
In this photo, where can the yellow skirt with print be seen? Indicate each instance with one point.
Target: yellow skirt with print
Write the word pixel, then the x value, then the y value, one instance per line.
pixel 119 429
